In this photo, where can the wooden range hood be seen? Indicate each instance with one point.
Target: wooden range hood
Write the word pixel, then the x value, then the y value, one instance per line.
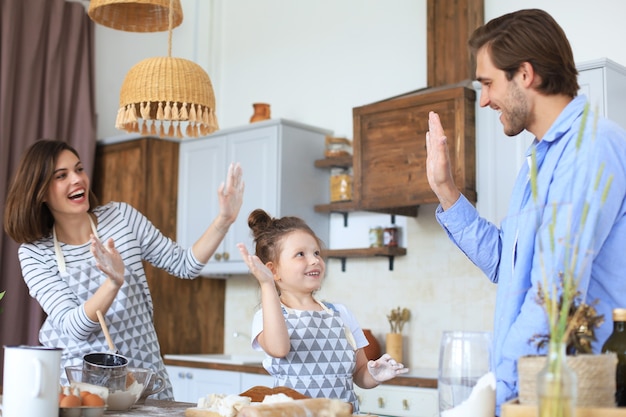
pixel 389 158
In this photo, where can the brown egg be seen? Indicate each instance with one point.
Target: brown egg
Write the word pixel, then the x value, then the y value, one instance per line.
pixel 70 401
pixel 93 400
pixel 64 391
pixel 83 394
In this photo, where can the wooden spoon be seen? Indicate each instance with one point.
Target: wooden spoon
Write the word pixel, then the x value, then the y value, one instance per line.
pixel 105 330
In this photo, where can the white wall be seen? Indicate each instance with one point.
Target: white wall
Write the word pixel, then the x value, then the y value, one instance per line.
pixel 313 61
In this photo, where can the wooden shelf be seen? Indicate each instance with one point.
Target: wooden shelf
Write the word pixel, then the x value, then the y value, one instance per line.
pixel 342 254
pixel 338 162
pixel 341 207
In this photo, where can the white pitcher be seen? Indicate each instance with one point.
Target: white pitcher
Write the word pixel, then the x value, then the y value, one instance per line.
pixel 31 381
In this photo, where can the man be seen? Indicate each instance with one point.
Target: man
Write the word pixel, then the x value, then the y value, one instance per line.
pixel 525 65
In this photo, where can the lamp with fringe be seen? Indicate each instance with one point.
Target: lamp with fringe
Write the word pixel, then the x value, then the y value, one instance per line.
pixel 160 94
pixel 136 15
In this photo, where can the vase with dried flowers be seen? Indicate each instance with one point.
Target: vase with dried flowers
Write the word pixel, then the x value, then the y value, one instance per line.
pixel 569 317
pixel 394 340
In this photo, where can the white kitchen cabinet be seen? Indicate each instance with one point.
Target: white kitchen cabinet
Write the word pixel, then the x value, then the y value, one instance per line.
pixel 398 401
pixel 499 157
pixel 277 158
pixel 190 384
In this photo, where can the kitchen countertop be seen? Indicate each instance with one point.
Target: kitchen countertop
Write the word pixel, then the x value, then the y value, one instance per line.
pixel 417 377
pixel 154 408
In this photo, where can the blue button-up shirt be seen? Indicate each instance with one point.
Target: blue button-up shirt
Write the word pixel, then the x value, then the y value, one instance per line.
pixel 518 256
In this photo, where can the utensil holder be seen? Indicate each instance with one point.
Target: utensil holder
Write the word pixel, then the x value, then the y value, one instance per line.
pixel 394 345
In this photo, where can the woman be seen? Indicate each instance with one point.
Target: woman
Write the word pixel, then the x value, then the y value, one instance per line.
pixel 78 257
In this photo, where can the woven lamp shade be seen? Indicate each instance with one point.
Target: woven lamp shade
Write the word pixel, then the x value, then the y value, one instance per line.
pixel 136 15
pixel 160 93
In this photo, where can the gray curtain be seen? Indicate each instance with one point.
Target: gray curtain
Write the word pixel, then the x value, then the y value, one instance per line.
pixel 46 91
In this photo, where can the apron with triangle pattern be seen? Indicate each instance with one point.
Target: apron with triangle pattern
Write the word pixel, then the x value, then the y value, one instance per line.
pixel 129 320
pixel 322 359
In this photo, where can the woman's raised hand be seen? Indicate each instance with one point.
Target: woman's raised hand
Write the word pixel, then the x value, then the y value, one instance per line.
pixel 108 260
pixel 230 195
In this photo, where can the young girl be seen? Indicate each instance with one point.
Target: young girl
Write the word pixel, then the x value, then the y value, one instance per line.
pixel 313 347
pixel 78 257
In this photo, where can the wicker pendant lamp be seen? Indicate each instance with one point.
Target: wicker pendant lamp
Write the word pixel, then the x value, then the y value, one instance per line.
pixel 136 15
pixel 159 94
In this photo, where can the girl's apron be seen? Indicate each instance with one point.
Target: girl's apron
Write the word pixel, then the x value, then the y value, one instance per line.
pixel 322 358
pixel 129 320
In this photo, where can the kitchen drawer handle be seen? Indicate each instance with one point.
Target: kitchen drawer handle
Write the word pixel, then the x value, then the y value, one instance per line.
pixel 189 375
pixel 405 404
pixel 226 256
pixel 381 402
pixel 218 256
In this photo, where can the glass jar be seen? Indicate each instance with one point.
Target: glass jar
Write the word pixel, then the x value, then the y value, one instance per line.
pixel 340 184
pixel 376 237
pixel 556 385
pixel 390 236
pixel 337 147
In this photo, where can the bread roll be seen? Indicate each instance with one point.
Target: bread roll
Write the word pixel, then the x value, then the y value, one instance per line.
pixel 319 407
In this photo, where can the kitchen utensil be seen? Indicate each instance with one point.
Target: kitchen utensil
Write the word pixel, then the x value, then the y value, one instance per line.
pixel 154 385
pixel 136 384
pixel 464 359
pixel 31 381
pixel 105 369
pixel 105 330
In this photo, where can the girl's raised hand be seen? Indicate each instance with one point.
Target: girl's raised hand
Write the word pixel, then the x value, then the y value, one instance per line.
pixel 261 272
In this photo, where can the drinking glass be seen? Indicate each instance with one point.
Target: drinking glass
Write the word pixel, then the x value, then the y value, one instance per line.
pixel 464 358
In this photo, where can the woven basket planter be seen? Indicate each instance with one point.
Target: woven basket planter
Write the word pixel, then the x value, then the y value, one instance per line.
pixel 595 375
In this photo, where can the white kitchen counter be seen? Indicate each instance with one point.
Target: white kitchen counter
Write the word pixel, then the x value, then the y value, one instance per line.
pixel 219 358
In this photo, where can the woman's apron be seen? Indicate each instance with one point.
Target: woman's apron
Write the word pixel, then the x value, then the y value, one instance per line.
pixel 129 320
pixel 322 358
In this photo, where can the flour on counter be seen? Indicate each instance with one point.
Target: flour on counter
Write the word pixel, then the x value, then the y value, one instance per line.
pixel 480 403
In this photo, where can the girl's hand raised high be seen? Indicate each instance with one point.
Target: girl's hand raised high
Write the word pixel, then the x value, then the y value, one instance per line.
pixel 261 272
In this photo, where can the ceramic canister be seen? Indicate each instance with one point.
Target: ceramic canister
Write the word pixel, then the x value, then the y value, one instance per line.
pixel 31 381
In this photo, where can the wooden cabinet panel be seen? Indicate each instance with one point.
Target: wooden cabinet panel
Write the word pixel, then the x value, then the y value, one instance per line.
pixel 118 173
pixel 450 25
pixel 188 314
pixel 390 148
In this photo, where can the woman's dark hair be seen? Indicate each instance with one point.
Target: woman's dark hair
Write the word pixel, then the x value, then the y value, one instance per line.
pixel 27 217
pixel 532 36
pixel 268 233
